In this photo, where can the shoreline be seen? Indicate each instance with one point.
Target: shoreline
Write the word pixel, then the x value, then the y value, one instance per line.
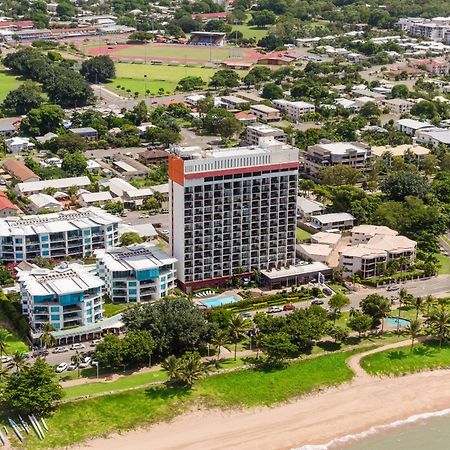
pixel 316 419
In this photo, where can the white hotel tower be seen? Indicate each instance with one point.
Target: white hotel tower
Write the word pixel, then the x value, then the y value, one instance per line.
pixel 232 211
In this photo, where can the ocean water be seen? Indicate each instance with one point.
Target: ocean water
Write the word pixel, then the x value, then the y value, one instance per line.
pixel 427 431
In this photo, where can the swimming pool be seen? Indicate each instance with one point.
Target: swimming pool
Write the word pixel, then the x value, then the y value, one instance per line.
pixel 394 321
pixel 220 301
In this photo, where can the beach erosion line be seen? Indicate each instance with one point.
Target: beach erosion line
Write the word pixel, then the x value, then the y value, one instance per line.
pixel 377 429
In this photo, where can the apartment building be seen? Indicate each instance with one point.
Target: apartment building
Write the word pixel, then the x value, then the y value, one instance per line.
pixel 434 29
pixel 254 133
pixel 59 235
pixel 232 211
pixel 372 248
pixel 410 126
pixel 265 113
pixel 61 184
pixel 332 221
pixel 434 137
pixel 137 273
pixel 66 296
pixel 327 154
pixel 294 110
pixel 398 105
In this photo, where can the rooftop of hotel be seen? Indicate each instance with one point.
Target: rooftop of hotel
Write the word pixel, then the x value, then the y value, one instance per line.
pixel 134 257
pixel 62 280
pixel 295 270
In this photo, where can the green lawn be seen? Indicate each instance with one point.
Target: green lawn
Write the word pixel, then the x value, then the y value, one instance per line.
pixel 402 360
pixel 131 76
pixel 7 82
pixel 111 309
pixel 302 235
pixel 15 344
pixel 76 421
pixel 251 32
pixel 444 261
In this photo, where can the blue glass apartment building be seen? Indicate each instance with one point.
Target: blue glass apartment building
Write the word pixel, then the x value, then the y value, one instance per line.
pixel 65 296
pixel 137 273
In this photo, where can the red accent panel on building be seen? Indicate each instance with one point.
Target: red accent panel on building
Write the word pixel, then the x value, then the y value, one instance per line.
pixel 217 173
pixel 176 169
pixel 211 282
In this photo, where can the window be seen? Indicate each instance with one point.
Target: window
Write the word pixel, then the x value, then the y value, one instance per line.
pixel 55 317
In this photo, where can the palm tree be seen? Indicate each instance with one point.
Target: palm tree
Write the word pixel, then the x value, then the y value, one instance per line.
pixel 430 302
pixel 257 275
pixel 219 340
pixel 19 362
pixel 418 303
pixel 171 366
pixel 439 322
pixel 76 359
pixel 413 329
pixel 257 341
pixel 190 369
pixel 403 262
pixel 238 327
pixel 381 267
pixel 47 339
pixel 5 336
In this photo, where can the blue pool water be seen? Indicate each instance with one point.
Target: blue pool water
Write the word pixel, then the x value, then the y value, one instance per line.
pixel 219 301
pixel 394 321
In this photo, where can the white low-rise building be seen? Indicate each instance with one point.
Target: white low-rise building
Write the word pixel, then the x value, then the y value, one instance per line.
pixel 332 221
pixel 18 144
pixel 61 184
pixel 66 296
pixel 137 273
pixel 307 208
pixel 434 137
pixel 294 110
pixel 410 126
pixel 44 202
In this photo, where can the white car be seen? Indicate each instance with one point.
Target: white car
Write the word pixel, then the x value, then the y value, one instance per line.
pixel 86 361
pixel 77 346
pixel 6 359
pixel 394 287
pixel 95 342
pixel 274 309
pixel 72 366
pixel 60 350
pixel 95 362
pixel 61 368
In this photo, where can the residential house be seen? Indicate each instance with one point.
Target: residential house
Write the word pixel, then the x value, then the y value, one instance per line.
pixel 43 202
pixel 88 133
pixel 61 184
pixel 265 113
pixel 94 198
pixel 410 126
pixel 18 170
pixel 7 129
pixel 7 207
pixel 154 157
pixel 18 144
pixel 332 221
pixel 307 208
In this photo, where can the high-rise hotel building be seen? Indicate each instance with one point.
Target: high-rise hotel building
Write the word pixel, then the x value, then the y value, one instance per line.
pixel 232 211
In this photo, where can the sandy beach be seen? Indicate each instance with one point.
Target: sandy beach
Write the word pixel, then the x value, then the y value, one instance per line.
pixel 315 419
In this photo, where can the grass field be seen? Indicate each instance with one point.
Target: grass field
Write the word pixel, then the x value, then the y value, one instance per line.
pixel 403 360
pixel 251 32
pixel 77 421
pixel 302 235
pixel 7 83
pixel 15 344
pixel 444 261
pixel 111 309
pixel 132 76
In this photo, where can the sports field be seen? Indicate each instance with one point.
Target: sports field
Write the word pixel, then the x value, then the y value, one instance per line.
pixel 191 54
pixel 251 32
pixel 7 83
pixel 132 76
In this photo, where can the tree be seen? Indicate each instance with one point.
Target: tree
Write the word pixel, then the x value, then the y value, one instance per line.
pixel 190 369
pixel 400 91
pixel 272 91
pixel 130 238
pixel 46 338
pixel 74 164
pixel 39 121
pixel 33 391
pixel 228 127
pixel 413 329
pixel 65 143
pixel 65 10
pixel 98 69
pixel 338 333
pixel 137 346
pixel 278 347
pixel 18 361
pixel 176 325
pixel 370 109
pixel 170 365
pixel 190 83
pixel 401 184
pixel 439 322
pixel 109 351
pixel 220 339
pixel 23 99
pixel 337 302
pixel 225 78
pixel 5 337
pixel 238 327
pixel 77 359
pixel 359 322
pixel 140 36
pixel 262 18
pixel 339 175
pixel 377 307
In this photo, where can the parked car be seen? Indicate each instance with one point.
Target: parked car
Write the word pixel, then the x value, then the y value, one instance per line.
pixel 62 367
pixel 95 362
pixel 246 314
pixel 85 362
pixel 77 346
pixel 274 309
pixel 95 342
pixel 72 366
pixel 60 350
pixel 327 291
pixel 288 307
pixel 40 352
pixel 317 301
pixel 393 287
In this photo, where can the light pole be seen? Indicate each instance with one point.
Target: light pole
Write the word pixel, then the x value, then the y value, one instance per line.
pixel 98 366
pixel 149 360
